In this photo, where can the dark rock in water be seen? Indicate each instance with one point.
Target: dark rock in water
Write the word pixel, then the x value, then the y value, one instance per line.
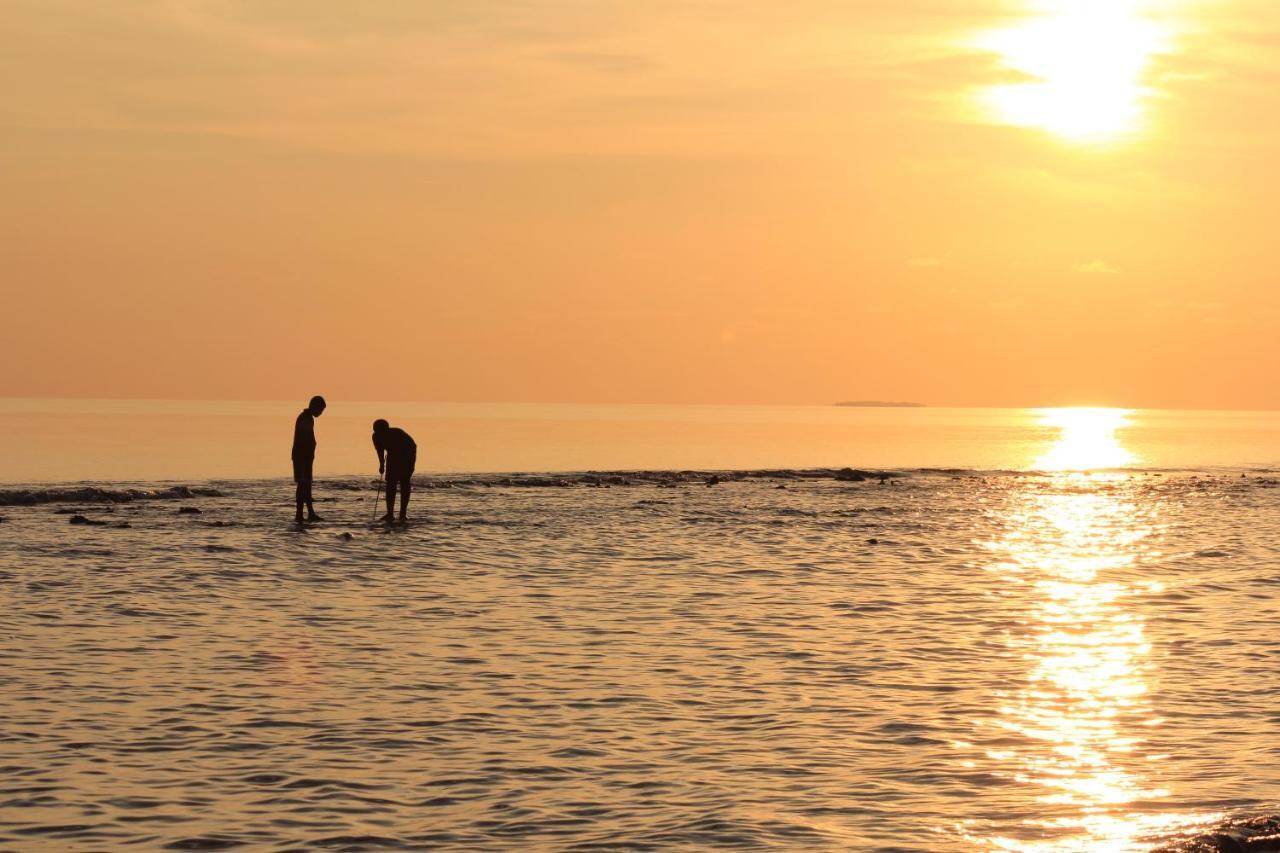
pixel 80 519
pixel 603 480
pixel 525 481
pixel 783 486
pixel 345 537
pixel 124 525
pixel 189 510
pixel 849 475
pixel 713 480
pixel 873 541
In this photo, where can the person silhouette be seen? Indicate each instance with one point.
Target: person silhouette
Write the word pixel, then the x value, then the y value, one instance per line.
pixel 304 455
pixel 401 456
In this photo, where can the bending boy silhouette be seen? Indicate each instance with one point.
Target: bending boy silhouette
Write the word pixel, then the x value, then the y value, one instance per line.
pixel 401 456
pixel 304 455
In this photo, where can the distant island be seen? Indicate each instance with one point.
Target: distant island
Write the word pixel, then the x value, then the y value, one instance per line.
pixel 880 404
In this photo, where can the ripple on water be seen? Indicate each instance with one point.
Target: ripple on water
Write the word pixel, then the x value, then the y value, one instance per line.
pixel 640 668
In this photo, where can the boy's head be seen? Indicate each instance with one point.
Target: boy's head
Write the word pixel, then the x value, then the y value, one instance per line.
pixel 317 406
pixel 380 426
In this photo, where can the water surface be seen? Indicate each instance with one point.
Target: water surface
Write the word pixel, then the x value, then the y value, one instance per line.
pixel 1075 656
pixel 1002 662
pixel 59 440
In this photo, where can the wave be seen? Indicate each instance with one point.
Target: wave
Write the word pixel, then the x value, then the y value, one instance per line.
pixel 96 494
pixel 606 479
pixel 1240 834
pixel 712 477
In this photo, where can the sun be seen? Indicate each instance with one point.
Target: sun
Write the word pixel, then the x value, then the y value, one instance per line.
pixel 1085 63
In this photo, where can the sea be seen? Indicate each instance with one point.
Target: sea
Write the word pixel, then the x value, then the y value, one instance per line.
pixel 640 628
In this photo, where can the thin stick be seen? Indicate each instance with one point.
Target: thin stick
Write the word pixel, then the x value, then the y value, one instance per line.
pixel 376 501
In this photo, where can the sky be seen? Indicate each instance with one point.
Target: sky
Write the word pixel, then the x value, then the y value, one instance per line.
pixel 957 202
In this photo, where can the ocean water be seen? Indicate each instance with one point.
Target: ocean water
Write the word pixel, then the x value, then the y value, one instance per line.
pixel 128 440
pixel 1080 656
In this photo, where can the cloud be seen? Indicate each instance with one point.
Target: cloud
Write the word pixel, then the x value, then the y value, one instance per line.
pixel 605 62
pixel 1096 267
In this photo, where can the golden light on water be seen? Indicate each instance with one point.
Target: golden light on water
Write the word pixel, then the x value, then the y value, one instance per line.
pixel 1085 64
pixel 1088 657
pixel 1074 733
pixel 1087 440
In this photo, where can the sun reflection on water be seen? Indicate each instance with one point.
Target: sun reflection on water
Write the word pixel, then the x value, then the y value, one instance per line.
pixel 1087 439
pixel 1074 736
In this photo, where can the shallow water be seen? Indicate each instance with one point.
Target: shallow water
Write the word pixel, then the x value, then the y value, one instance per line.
pixel 977 662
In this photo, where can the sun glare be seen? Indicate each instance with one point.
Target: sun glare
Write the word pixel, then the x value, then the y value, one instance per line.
pixel 1084 61
pixel 1086 439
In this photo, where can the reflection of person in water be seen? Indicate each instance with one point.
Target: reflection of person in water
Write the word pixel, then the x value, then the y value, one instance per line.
pixel 304 455
pixel 401 457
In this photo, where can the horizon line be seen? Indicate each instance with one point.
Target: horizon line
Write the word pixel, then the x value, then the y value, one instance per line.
pixel 833 404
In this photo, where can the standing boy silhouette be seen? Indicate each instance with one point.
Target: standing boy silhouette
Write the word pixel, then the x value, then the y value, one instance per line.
pixel 304 455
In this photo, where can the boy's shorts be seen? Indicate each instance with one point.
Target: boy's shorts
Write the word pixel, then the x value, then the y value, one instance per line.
pixel 400 470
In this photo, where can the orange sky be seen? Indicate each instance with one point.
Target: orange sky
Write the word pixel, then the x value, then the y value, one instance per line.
pixel 1014 202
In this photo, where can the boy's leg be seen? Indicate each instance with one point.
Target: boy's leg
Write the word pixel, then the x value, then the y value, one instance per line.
pixel 404 495
pixel 302 497
pixel 391 496
pixel 311 510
